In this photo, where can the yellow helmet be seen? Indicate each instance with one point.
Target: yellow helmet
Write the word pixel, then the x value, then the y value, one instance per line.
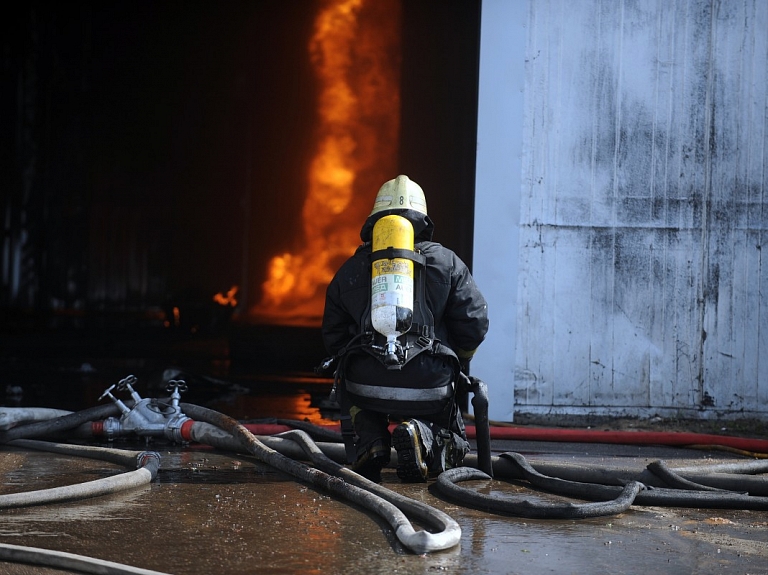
pixel 402 193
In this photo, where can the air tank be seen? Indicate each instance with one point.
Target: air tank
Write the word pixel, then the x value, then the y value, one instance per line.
pixel 392 282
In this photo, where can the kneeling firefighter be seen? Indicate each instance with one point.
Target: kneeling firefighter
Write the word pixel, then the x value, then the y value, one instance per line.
pixel 403 316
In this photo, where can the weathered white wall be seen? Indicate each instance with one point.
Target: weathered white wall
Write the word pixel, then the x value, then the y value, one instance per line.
pixel 497 192
pixel 644 209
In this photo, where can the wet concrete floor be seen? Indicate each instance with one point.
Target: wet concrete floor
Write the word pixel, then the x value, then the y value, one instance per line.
pixel 215 512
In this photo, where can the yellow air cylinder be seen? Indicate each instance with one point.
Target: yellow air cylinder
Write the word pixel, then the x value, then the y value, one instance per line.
pixel 392 281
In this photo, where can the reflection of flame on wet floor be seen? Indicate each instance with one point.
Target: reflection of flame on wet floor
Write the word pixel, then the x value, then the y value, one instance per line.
pixel 296 406
pixel 355 52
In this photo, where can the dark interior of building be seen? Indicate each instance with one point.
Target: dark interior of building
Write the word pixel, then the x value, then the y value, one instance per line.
pixel 155 155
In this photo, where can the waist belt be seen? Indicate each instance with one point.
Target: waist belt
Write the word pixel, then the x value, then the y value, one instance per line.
pixel 399 393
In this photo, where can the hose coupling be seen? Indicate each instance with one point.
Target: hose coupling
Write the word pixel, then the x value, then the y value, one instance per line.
pixel 176 428
pixel 145 457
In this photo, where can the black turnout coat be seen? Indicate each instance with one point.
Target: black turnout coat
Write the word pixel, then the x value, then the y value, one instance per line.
pixel 459 309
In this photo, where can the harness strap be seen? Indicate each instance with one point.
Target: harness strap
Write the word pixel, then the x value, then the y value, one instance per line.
pixel 345 418
pixel 399 393
pixel 399 253
pixel 348 436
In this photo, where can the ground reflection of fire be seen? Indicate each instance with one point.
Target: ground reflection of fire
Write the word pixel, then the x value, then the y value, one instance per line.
pixel 355 52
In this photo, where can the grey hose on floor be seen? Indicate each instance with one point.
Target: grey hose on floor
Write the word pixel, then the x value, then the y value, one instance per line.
pixel 674 479
pixel 514 466
pixel 448 531
pixel 418 543
pixel 144 463
pixel 13 416
pixel 60 424
pixel 734 479
pixel 523 507
pixel 68 561
pixel 609 481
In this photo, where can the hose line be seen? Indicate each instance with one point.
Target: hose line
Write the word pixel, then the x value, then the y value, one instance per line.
pixel 60 424
pixel 13 416
pixel 418 542
pixel 146 464
pixel 624 490
pixel 69 561
pixel 674 479
pixel 448 531
pixel 523 507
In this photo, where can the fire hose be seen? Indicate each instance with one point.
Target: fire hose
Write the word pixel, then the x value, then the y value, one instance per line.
pixel 347 484
pixel 146 464
pixel 336 479
pixel 69 561
pixel 611 491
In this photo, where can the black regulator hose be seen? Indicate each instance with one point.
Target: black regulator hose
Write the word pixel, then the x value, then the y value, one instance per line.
pixel 418 542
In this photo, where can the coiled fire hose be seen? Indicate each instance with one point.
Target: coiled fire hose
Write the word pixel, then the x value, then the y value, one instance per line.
pixel 447 533
pixel 144 463
pixel 343 483
pixel 523 507
pixel 515 466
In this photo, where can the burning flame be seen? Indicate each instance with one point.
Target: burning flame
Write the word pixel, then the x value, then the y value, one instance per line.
pixel 355 53
pixel 229 299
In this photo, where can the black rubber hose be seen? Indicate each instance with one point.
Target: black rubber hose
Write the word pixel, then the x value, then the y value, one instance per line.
pixel 739 467
pixel 673 479
pixel 56 426
pixel 69 561
pixel 522 507
pixel 587 491
pixel 250 444
pixel 316 432
pixel 507 467
pixel 620 476
pixel 122 457
pixel 582 473
pixel 662 497
pixel 482 425
pixel 448 531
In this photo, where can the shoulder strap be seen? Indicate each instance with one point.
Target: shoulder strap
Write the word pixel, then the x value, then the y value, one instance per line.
pixel 392 253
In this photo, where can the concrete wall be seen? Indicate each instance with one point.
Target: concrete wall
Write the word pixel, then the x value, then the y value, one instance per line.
pixel 643 210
